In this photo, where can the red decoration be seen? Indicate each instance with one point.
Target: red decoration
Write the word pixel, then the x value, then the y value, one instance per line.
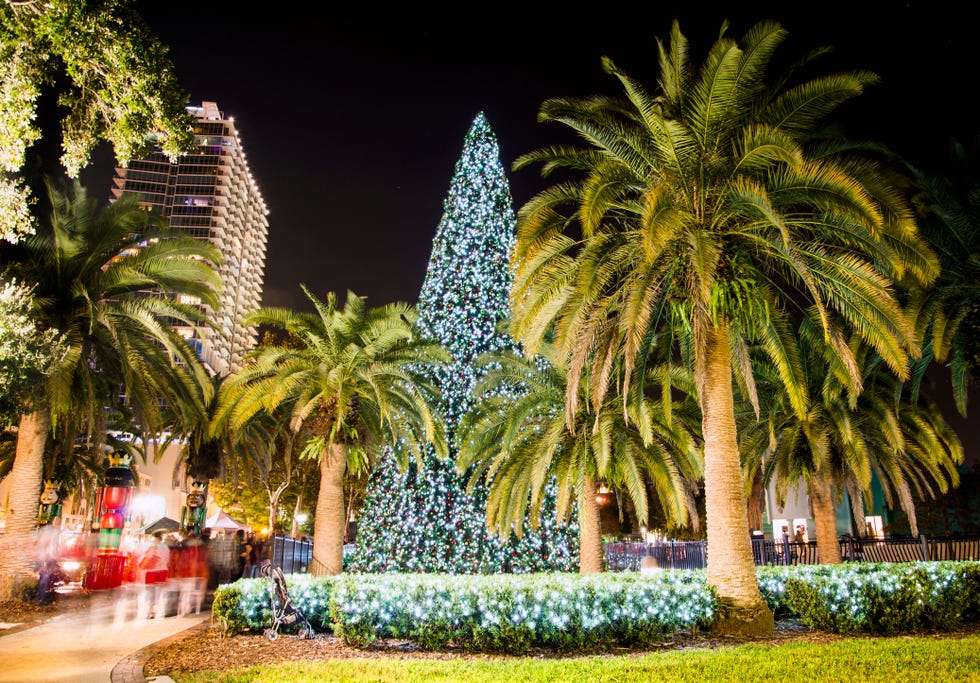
pixel 114 500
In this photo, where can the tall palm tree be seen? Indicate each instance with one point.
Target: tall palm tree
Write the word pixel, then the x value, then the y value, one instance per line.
pixel 846 440
pixel 98 275
pixel 713 206
pixel 351 381
pixel 516 436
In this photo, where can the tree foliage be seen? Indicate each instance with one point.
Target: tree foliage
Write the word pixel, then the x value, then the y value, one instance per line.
pixel 516 438
pixel 350 384
pixel 26 353
pixel 948 312
pixel 90 269
pixel 846 442
pixel 710 213
pixel 114 82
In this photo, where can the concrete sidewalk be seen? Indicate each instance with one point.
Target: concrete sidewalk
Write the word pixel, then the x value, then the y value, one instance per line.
pixel 85 646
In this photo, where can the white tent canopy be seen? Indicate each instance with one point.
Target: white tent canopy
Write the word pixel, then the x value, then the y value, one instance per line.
pixel 222 522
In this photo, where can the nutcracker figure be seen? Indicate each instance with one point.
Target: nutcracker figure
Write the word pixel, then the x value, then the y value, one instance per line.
pixel 50 502
pixel 194 512
pixel 114 500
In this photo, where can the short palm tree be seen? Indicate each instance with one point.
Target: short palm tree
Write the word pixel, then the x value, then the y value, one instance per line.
pixel 948 312
pixel 714 206
pixel 516 436
pixel 107 280
pixel 846 440
pixel 350 379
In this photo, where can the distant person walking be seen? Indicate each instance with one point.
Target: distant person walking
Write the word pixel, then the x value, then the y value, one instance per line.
pixel 246 555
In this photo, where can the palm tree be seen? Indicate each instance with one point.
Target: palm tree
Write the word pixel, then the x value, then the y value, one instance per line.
pixel 845 440
pixel 712 207
pixel 351 382
pixel 948 313
pixel 516 437
pixel 98 274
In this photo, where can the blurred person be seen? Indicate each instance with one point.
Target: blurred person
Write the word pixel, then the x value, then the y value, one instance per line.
pixel 247 554
pixel 258 555
pixel 153 571
pixel 46 550
pixel 241 555
pixel 193 574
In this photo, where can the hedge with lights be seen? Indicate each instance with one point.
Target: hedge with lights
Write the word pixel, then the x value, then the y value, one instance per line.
pixel 568 612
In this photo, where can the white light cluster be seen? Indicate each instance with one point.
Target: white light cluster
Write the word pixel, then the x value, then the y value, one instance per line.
pixel 423 520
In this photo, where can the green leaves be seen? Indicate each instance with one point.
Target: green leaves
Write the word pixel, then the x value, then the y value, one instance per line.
pixel 120 87
pixel 347 376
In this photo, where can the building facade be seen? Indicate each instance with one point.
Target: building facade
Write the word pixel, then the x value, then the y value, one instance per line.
pixel 210 194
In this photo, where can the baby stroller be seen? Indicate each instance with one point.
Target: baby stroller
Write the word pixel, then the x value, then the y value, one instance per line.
pixel 284 612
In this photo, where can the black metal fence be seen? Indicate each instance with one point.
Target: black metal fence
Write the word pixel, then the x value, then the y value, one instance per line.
pixel 634 556
pixel 295 556
pixel 292 555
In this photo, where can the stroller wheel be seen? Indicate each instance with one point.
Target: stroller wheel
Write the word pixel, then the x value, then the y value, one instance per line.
pixel 271 633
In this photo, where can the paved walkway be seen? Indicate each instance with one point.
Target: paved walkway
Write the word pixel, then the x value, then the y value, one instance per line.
pixel 102 644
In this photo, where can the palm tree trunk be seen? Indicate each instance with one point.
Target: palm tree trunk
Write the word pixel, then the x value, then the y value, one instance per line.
pixel 731 569
pixel 825 517
pixel 330 523
pixel 590 533
pixel 756 501
pixel 17 556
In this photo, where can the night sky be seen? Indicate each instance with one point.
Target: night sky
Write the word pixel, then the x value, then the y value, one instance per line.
pixel 352 124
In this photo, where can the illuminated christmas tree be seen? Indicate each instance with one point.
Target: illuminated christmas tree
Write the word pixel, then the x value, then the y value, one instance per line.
pixel 422 519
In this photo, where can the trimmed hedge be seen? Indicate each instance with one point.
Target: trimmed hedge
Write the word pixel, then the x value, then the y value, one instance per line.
pixel 567 612
pixel 923 596
pixel 511 613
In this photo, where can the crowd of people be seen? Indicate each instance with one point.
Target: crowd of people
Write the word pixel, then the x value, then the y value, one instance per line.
pixel 165 573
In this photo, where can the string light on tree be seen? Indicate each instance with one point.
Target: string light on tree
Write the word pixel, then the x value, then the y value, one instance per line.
pixel 423 520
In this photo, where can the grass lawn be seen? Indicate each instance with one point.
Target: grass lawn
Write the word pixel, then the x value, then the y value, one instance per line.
pixel 900 659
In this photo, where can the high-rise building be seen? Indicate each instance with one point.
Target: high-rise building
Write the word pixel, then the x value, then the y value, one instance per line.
pixel 210 194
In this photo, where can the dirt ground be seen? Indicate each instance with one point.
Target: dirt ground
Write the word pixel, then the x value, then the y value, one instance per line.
pixel 208 650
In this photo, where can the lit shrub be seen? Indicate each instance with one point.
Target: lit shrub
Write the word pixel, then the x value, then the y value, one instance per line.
pixel 569 612
pixel 511 613
pixel 885 598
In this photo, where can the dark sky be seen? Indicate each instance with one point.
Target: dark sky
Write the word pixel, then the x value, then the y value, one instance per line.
pixel 352 124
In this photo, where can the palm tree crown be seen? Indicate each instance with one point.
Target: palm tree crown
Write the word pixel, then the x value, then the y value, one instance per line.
pixel 517 436
pixel 352 380
pixel 845 441
pixel 107 279
pixel 714 208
